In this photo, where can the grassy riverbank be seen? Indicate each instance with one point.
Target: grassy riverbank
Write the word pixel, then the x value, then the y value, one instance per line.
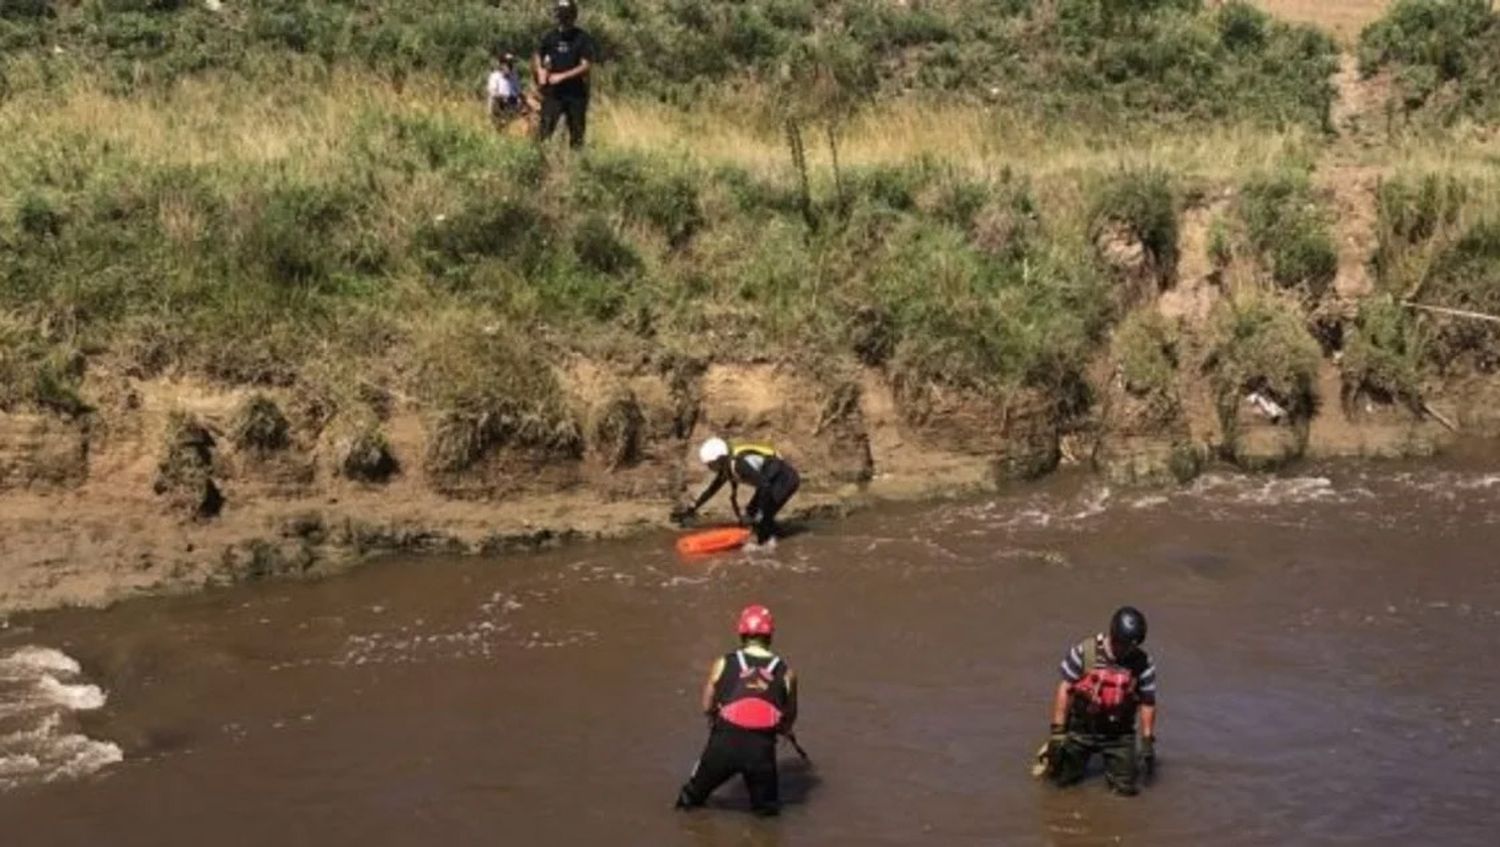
pixel 1030 223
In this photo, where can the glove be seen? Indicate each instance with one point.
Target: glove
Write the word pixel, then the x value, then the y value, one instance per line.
pixel 1057 735
pixel 1146 747
pixel 682 514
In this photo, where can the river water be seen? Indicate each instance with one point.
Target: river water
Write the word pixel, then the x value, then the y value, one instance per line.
pixel 1324 642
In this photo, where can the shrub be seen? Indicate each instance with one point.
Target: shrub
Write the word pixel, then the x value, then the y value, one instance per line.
pixel 600 248
pixel 501 227
pixel 1290 231
pixel 1259 343
pixel 486 386
pixel 1432 43
pixel 259 425
pixel 1463 276
pixel 1383 352
pixel 1145 346
pixel 1145 202
pixel 656 192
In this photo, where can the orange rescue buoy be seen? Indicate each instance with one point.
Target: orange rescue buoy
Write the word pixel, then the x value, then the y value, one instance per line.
pixel 713 541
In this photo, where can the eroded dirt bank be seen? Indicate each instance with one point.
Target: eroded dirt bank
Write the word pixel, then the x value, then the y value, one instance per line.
pixel 106 507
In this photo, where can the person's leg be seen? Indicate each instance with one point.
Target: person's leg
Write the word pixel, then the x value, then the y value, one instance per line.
pixel 719 762
pixel 1120 766
pixel 552 109
pixel 779 492
pixel 1071 762
pixel 761 779
pixel 578 117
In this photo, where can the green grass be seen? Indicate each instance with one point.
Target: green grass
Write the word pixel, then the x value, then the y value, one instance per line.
pixel 1098 60
pixel 1290 231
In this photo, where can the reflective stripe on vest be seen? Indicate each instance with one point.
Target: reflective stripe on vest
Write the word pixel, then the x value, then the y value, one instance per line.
pixel 750 704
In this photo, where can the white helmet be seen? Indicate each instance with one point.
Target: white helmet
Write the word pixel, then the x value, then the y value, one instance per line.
pixel 713 450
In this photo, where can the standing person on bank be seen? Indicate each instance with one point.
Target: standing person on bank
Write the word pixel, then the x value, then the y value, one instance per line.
pixel 561 68
pixel 750 698
pixel 1108 682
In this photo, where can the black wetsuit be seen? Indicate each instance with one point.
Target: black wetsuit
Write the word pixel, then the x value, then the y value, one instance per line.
pixel 774 480
pixel 734 750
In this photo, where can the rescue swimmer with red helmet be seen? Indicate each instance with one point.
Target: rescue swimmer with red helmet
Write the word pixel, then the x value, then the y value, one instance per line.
pixel 1108 685
pixel 757 465
pixel 750 698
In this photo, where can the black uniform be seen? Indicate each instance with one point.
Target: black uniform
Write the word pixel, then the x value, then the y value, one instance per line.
pixel 774 479
pixel 562 50
pixel 749 751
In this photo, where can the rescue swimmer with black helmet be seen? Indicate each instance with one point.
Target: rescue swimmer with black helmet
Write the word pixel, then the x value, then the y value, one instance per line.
pixel 1108 686
pixel 757 465
pixel 750 698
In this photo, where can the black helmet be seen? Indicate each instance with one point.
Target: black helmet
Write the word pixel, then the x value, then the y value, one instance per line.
pixel 566 12
pixel 1127 627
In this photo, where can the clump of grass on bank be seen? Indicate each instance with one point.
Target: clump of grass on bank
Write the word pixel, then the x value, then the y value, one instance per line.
pixel 1440 246
pixel 1288 229
pixel 1145 204
pixel 1145 345
pixel 1383 353
pixel 1259 342
pixel 484 387
pixel 1445 55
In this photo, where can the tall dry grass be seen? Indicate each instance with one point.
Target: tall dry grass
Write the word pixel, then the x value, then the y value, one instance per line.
pixel 1344 18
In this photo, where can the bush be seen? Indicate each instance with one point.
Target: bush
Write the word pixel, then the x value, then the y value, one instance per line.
pixel 1383 353
pixel 1463 276
pixel 1242 27
pixel 655 192
pixel 486 386
pixel 1432 43
pixel 1290 231
pixel 501 227
pixel 600 248
pixel 1259 343
pixel 1145 346
pixel 259 425
pixel 1146 203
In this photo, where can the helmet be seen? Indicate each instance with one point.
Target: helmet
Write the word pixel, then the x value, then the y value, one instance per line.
pixel 1127 627
pixel 566 11
pixel 713 450
pixel 756 620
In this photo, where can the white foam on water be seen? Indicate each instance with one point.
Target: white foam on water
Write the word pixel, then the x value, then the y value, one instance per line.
pixel 28 661
pixel 42 691
pixel 77 698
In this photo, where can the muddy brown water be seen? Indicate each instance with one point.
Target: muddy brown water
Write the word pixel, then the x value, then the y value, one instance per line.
pixel 1325 643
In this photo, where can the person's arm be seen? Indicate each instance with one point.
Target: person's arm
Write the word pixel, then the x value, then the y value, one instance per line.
pixel 538 72
pixel 711 490
pixel 582 69
pixel 1148 700
pixel 1060 703
pixel 789 714
pixel 734 500
pixel 585 49
pixel 709 707
pixel 1148 721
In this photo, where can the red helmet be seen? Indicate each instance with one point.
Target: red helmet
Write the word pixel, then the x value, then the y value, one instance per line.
pixel 756 620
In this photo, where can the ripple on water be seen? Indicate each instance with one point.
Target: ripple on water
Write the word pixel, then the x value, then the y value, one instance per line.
pixel 40 690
